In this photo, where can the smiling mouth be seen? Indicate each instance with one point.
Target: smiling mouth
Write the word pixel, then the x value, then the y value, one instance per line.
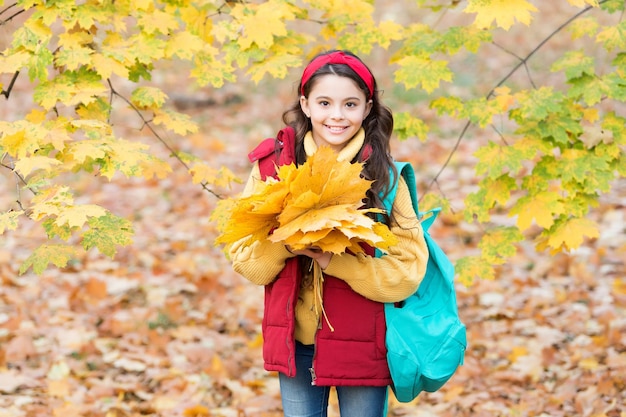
pixel 336 128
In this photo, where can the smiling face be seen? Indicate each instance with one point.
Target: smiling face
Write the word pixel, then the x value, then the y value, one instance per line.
pixel 337 108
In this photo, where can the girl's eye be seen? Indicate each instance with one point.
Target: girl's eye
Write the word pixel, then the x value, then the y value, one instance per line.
pixel 350 104
pixel 324 103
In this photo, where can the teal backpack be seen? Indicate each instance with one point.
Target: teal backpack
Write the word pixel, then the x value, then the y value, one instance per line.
pixel 425 339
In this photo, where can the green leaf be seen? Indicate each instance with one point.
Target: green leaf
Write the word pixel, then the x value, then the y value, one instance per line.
pixel 124 156
pixel 52 229
pixel 613 6
pixel 539 103
pixel 447 105
pixel 477 207
pixel 88 14
pixel 560 127
pixel 106 233
pixel 615 124
pixel 498 244
pixel 9 220
pixel 494 160
pixel 583 26
pixel 470 268
pixel 407 126
pixel 613 37
pixel 575 64
pixel 148 98
pixel 73 58
pixel 469 37
pixel 498 189
pixel 615 86
pixel 140 70
pixel 38 65
pixel 590 88
pixel 146 49
pixel 70 88
pixel 57 254
pixel 422 71
pixel 545 170
pixel 577 165
pixel 479 111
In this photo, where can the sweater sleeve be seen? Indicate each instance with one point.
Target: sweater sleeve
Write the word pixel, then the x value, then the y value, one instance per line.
pixel 261 261
pixel 398 273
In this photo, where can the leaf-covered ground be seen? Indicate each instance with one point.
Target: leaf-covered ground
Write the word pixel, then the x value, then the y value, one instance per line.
pixel 167 329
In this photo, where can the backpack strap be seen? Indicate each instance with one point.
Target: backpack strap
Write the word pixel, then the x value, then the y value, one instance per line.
pixel 406 170
pixel 274 152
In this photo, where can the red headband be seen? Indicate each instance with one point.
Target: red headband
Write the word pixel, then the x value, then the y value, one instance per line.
pixel 338 57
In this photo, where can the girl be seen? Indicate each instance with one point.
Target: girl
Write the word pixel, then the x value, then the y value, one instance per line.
pixel 324 322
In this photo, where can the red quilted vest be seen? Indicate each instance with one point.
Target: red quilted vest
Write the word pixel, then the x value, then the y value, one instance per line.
pixel 355 353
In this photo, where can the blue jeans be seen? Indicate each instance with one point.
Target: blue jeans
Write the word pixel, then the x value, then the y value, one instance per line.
pixel 301 399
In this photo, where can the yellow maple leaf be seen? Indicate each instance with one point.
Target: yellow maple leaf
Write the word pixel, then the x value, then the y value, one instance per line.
pixel 261 23
pixel 572 232
pixel 203 173
pixel 17 144
pixel 503 12
pixel 183 45
pixel 155 167
pixel 49 202
pixel 178 122
pixel 27 165
pixel 196 21
pixel 581 3
pixel 541 207
pixel 14 62
pixel 157 21
pixel 9 220
pixel 77 216
pixel 315 204
pixel 105 66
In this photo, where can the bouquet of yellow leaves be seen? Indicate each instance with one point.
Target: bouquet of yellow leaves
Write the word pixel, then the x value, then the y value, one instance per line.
pixel 316 204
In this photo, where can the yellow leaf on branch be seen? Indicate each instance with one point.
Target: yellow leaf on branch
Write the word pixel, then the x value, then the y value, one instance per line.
pixel 316 204
pixel 503 12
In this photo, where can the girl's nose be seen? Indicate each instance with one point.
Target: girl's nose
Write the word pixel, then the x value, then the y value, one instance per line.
pixel 337 113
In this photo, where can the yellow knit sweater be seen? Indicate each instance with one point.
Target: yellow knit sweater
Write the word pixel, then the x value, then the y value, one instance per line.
pixel 390 278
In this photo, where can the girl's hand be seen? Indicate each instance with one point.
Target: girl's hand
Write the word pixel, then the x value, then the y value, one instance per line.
pixel 313 252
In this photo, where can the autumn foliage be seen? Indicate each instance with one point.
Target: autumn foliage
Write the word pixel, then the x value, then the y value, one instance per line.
pixel 123 123
pixel 559 150
pixel 315 204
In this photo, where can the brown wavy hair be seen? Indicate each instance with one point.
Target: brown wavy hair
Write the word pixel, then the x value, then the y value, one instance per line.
pixel 378 126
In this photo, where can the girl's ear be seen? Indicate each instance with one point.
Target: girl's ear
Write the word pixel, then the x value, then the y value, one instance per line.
pixel 304 105
pixel 368 108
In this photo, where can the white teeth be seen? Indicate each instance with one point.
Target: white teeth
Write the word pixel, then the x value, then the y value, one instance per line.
pixel 336 129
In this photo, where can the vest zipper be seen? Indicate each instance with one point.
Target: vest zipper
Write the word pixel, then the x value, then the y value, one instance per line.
pixel 312 368
pixel 291 359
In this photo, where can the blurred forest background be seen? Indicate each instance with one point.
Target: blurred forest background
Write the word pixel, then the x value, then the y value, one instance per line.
pixel 166 328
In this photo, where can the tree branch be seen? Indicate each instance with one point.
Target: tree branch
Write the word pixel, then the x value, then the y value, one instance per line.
pixel 8 19
pixel 147 123
pixel 6 93
pixel 502 81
